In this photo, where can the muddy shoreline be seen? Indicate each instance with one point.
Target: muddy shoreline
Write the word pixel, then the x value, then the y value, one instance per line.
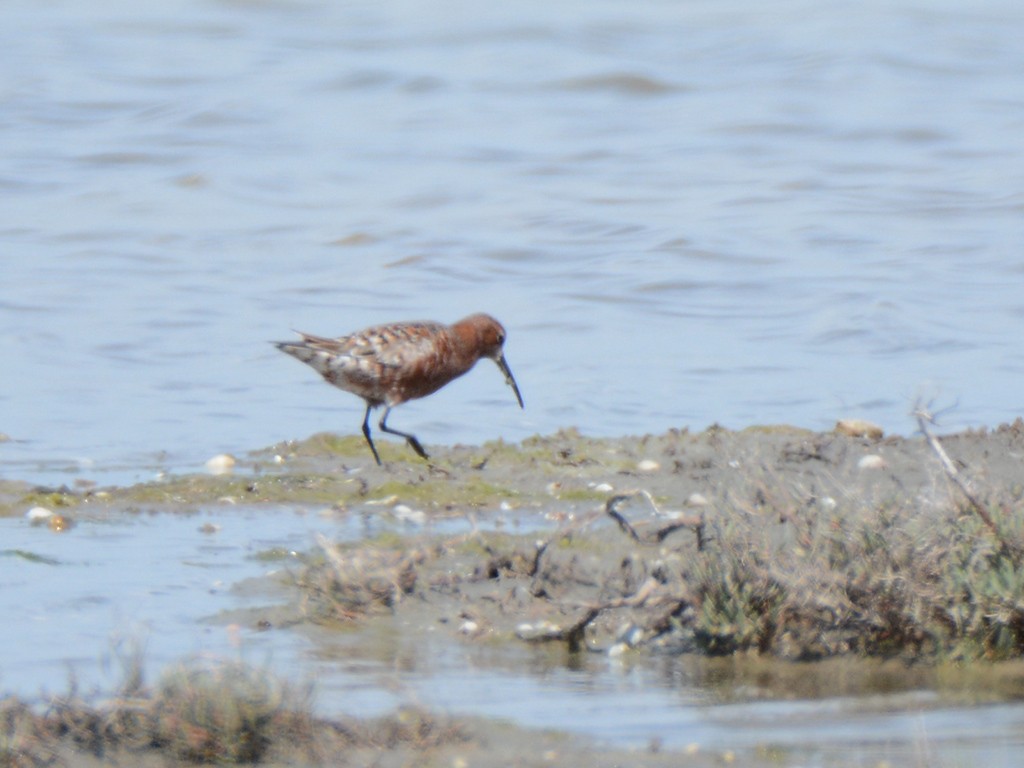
pixel 765 543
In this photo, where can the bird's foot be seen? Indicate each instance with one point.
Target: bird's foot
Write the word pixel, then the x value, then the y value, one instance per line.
pixel 415 445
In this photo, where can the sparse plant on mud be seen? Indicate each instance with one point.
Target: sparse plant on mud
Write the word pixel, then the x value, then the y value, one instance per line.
pixel 218 712
pixel 736 597
pixel 347 584
pixel 225 713
pixel 19 744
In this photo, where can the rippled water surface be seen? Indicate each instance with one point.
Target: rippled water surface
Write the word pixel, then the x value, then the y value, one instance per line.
pixel 684 213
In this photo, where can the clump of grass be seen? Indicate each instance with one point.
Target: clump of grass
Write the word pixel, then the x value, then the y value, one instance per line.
pixel 229 713
pixel 219 712
pixel 740 603
pixel 887 583
pixel 355 582
pixel 19 745
pixel 223 712
pixel 410 727
pixel 982 588
pixel 930 586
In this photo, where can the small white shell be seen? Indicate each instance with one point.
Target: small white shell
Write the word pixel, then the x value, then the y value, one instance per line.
pixel 859 428
pixel 871 461
pixel 220 464
pixel 37 515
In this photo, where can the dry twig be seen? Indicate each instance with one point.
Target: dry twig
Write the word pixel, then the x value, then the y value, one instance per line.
pixel 924 421
pixel 696 522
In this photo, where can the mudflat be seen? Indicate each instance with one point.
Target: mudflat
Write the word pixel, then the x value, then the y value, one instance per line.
pixel 768 543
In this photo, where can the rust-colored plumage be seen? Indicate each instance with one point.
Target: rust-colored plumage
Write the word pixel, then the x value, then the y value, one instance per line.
pixel 389 364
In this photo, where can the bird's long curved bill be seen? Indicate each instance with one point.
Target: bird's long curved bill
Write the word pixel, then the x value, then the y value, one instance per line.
pixel 509 379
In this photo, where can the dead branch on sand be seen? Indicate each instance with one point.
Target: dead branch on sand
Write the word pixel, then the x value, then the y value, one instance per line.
pixel 695 522
pixel 925 419
pixel 650 593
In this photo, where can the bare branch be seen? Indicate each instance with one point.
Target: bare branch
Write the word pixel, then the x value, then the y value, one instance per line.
pixel 924 421
pixel 609 508
pixel 696 522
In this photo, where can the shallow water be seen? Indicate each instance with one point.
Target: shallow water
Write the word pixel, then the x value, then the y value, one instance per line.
pixel 78 603
pixel 683 213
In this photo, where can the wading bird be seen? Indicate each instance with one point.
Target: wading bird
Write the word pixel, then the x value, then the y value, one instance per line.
pixel 389 364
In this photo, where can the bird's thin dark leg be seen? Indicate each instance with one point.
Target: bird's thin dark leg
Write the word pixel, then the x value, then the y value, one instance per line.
pixel 411 439
pixel 366 433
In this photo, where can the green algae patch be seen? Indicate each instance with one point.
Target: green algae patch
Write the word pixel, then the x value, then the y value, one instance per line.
pixel 16 499
pixel 471 492
pixel 323 444
pixel 274 555
pixel 51 499
pixel 579 494
pixel 328 445
pixel 566 447
pixel 189 491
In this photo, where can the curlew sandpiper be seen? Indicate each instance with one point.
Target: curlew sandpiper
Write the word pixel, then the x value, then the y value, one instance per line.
pixel 390 364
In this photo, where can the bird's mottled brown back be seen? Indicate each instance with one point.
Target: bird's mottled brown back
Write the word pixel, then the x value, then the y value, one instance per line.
pixel 388 364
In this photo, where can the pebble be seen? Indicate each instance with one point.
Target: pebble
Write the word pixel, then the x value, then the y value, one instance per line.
pixel 540 630
pixel 407 514
pixel 38 515
pixel 220 464
pixel 618 650
pixel 604 488
pixel 387 501
pixel 648 465
pixel 631 635
pixel 871 461
pixel 696 500
pixel 859 428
